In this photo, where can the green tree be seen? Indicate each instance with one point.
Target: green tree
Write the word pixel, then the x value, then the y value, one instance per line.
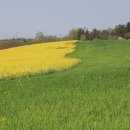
pixel 95 33
pixel 91 36
pixel 80 32
pixel 83 37
pixel 39 37
pixel 120 30
pixel 128 27
pixel 87 34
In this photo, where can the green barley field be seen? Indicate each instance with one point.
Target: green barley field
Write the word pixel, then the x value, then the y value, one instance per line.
pixel 93 95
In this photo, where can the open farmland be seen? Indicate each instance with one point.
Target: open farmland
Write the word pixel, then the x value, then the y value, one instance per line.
pixel 38 58
pixel 93 95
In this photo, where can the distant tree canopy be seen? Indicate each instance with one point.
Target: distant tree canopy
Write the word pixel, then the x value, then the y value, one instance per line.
pixel 120 31
pixel 110 33
pixel 128 27
pixel 75 34
pixel 41 38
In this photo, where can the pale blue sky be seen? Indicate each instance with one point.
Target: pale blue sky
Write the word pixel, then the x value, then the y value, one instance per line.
pixel 23 18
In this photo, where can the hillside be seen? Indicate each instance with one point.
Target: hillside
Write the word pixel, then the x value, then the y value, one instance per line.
pixel 92 95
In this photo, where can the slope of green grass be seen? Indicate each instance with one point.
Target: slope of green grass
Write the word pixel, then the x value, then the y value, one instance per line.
pixel 93 95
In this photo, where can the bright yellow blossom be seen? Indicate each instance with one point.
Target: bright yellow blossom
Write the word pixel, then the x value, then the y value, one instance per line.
pixel 36 58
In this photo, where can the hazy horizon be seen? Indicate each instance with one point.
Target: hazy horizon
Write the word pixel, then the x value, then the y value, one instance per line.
pixel 25 18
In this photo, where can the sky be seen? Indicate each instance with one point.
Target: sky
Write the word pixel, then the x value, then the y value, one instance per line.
pixel 24 18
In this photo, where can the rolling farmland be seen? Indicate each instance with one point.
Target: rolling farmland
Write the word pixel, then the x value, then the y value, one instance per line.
pixel 94 94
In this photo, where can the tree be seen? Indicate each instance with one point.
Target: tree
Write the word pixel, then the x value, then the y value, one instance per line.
pixel 104 34
pixel 39 37
pixel 91 36
pixel 87 34
pixel 95 33
pixel 128 27
pixel 75 34
pixel 80 32
pixel 72 34
pixel 83 37
pixel 120 30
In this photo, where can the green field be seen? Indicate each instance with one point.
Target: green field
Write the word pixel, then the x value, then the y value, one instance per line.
pixel 94 95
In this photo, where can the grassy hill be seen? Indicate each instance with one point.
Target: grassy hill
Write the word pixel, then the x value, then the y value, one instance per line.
pixel 93 95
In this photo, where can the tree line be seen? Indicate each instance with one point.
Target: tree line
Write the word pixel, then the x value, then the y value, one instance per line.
pixel 15 42
pixel 121 31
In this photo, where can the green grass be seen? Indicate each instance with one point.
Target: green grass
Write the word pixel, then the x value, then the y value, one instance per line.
pixel 94 95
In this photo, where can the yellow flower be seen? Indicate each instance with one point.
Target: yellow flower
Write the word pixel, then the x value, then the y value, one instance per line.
pixel 36 58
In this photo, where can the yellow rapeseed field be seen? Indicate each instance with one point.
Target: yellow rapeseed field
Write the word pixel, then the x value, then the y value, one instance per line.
pixel 36 58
